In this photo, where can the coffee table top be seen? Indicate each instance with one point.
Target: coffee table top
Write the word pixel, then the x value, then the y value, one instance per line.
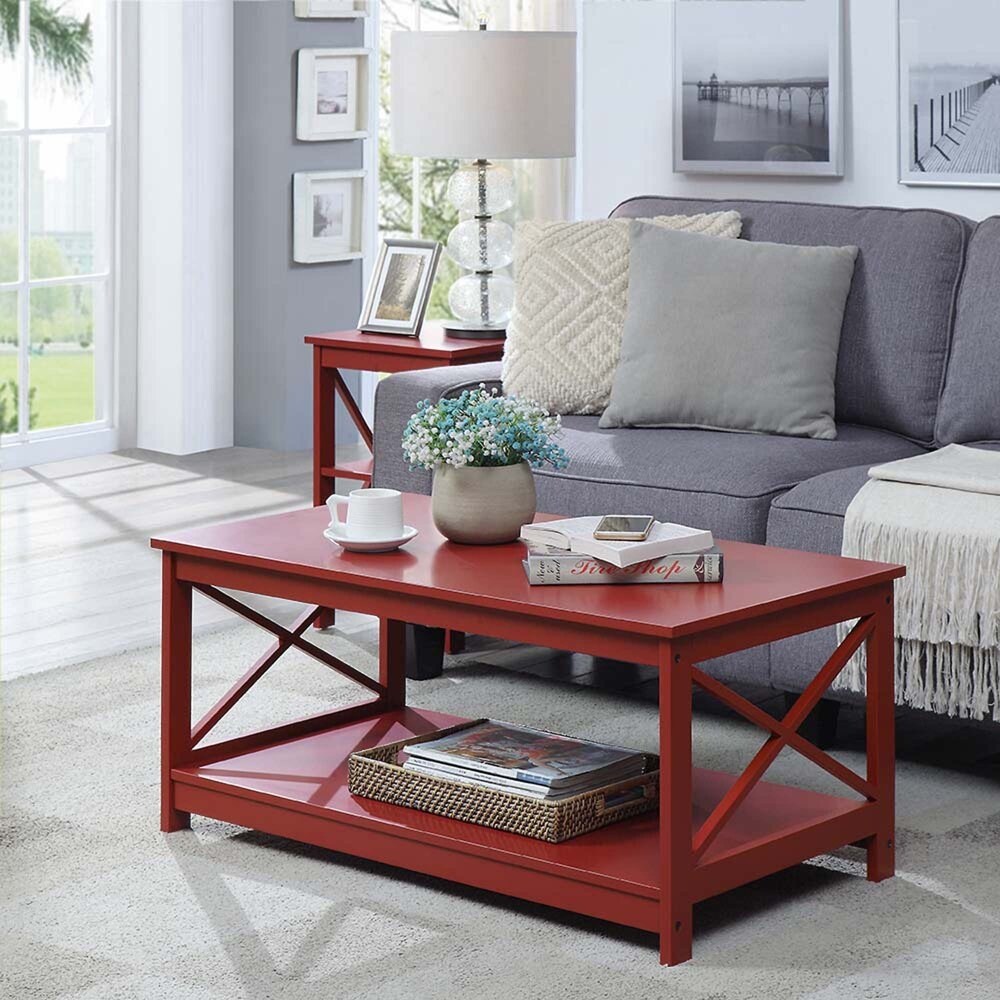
pixel 758 578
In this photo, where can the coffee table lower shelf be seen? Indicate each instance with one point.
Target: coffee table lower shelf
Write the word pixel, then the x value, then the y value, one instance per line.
pixel 298 789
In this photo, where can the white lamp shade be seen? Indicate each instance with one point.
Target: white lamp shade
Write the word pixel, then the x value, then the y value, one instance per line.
pixel 501 95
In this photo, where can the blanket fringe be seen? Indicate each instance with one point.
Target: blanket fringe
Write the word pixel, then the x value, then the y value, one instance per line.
pixel 950 595
pixel 950 679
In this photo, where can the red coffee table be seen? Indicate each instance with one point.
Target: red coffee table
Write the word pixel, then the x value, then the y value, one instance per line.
pixel 714 832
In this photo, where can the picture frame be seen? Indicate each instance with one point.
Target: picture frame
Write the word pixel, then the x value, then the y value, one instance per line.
pixel 758 87
pixel 331 8
pixel 331 94
pixel 328 216
pixel 400 287
pixel 948 64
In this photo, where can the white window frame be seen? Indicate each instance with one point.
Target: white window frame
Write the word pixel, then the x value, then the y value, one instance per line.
pixel 31 447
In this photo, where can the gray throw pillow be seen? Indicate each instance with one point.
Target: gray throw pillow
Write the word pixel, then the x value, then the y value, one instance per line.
pixel 730 335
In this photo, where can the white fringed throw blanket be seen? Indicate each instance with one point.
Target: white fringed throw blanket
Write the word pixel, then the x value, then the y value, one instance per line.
pixel 939 515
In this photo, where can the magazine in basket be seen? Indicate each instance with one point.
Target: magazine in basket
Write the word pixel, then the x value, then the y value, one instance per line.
pixel 522 755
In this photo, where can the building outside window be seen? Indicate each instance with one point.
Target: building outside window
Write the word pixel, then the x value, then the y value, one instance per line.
pixel 57 108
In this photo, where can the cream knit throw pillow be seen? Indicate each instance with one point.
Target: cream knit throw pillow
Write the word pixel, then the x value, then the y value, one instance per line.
pixel 564 337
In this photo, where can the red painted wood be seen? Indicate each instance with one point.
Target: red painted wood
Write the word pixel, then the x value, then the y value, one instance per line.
pixel 676 807
pixel 496 875
pixel 359 468
pixel 759 579
pixel 793 719
pixel 175 698
pixel 881 738
pixel 353 410
pixel 759 717
pixel 291 779
pixel 432 344
pixel 264 663
pixel 392 661
pixel 290 638
pixel 324 429
pixel 308 775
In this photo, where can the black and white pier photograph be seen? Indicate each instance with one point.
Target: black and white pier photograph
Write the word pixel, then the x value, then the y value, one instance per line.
pixel 949 92
pixel 758 87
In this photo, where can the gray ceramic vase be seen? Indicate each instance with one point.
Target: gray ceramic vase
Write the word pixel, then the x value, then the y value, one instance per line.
pixel 482 506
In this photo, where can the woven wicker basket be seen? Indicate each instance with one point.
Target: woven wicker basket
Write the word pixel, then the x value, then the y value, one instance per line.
pixel 376 774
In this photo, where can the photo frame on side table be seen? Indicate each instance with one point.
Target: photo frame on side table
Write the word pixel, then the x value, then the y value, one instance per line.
pixel 332 94
pixel 949 93
pixel 331 8
pixel 400 287
pixel 758 87
pixel 328 216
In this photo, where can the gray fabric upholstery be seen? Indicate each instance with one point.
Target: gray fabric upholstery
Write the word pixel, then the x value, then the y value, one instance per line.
pixel 731 335
pixel 811 517
pixel 725 481
pixel 970 404
pixel 897 324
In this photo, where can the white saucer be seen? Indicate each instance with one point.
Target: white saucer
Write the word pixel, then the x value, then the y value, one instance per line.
pixel 382 545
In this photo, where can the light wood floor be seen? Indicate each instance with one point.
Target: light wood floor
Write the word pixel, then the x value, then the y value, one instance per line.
pixel 79 579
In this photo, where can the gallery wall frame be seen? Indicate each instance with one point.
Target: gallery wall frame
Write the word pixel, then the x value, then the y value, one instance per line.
pixel 330 9
pixel 328 215
pixel 948 96
pixel 332 94
pixel 758 87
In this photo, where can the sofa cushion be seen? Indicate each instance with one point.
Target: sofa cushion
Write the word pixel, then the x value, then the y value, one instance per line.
pixel 564 337
pixel 735 336
pixel 898 319
pixel 970 403
pixel 705 478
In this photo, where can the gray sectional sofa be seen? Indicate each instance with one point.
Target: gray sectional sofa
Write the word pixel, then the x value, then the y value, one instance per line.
pixel 919 367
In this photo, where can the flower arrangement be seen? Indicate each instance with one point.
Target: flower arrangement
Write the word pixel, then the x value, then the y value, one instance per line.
pixel 482 429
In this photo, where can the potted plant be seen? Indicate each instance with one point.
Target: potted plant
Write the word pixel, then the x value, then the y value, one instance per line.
pixel 481 447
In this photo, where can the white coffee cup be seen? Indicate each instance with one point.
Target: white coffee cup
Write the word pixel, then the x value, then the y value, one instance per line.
pixel 373 515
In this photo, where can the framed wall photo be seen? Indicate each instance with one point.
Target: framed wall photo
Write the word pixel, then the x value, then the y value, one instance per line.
pixel 328 209
pixel 949 92
pixel 331 8
pixel 758 87
pixel 400 287
pixel 332 94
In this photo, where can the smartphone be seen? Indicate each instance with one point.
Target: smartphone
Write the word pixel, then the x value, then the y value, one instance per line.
pixel 623 528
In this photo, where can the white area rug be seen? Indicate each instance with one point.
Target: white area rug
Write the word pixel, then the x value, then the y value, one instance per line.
pixel 95 903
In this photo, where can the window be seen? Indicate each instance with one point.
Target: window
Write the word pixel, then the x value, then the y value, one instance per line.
pixel 412 198
pixel 57 101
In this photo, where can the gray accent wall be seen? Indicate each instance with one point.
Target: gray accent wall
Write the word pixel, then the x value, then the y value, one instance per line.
pixel 277 302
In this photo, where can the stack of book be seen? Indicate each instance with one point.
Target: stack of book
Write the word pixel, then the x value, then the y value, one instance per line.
pixel 562 552
pixel 530 762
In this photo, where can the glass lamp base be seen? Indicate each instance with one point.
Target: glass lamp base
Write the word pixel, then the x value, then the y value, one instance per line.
pixel 473 331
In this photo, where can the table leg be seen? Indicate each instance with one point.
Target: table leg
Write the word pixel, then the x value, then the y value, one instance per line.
pixel 392 661
pixel 881 738
pixel 676 858
pixel 324 428
pixel 175 710
pixel 324 445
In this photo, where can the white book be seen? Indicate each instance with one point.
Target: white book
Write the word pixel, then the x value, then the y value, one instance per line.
pixel 483 780
pixel 454 772
pixel 577 535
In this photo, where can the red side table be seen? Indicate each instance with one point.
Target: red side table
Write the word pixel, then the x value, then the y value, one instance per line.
pixel 372 352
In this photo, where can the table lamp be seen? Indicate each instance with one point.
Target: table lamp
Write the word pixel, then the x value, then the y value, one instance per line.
pixel 482 95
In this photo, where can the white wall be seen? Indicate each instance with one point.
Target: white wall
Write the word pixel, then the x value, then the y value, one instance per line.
pixel 184 398
pixel 626 142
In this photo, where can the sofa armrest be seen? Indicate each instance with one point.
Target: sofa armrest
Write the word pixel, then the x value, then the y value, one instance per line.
pixel 396 399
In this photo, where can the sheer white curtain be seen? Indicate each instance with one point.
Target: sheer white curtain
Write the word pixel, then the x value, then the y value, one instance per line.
pixel 544 187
